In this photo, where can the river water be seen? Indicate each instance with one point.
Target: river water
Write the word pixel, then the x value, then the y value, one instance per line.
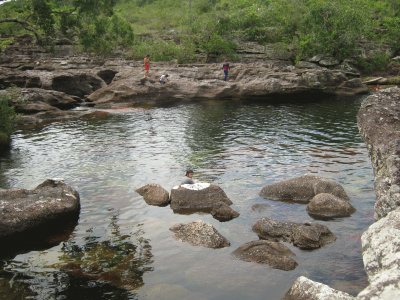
pixel 122 248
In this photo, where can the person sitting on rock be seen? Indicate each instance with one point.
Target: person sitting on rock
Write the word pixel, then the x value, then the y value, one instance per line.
pixel 188 177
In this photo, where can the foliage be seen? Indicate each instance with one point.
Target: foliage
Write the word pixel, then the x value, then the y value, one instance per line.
pixel 378 62
pixel 161 50
pixel 178 29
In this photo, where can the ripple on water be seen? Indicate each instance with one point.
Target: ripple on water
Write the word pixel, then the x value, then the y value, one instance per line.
pixel 240 147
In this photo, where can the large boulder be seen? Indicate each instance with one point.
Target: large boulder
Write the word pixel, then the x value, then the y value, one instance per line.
pixel 306 289
pixel 304 236
pixel 381 256
pixel 274 254
pixel 199 233
pixel 154 194
pixel 210 198
pixel 29 217
pixel 302 189
pixel 327 206
pixel 378 122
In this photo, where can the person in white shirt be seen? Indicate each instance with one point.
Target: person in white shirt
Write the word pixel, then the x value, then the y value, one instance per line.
pixel 164 78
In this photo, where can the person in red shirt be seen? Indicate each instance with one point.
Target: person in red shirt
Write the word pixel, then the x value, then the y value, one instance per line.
pixel 226 68
pixel 146 62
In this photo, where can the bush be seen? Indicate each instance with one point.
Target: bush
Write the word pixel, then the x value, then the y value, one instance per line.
pixel 378 62
pixel 160 50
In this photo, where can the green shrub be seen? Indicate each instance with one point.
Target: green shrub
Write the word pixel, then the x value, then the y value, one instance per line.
pixel 378 62
pixel 160 50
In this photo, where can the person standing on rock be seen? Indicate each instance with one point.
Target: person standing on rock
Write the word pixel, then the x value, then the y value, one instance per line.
pixel 146 62
pixel 226 68
pixel 188 177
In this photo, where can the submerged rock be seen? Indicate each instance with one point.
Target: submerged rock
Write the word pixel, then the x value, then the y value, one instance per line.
pixel 304 236
pixel 154 194
pixel 271 253
pixel 199 233
pixel 326 206
pixel 302 189
pixel 29 217
pixel 224 213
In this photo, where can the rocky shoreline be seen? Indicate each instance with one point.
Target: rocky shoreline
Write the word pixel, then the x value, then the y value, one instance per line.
pixel 378 122
pixel 46 87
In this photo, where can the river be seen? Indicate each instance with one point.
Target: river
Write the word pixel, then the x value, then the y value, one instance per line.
pixel 241 146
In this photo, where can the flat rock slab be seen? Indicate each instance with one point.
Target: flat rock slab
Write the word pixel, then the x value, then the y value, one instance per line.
pixel 199 233
pixel 274 254
pixel 302 189
pixel 305 236
pixel 47 208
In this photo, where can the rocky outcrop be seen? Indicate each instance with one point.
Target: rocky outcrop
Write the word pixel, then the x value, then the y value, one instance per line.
pixel 29 217
pixel 204 81
pixel 302 189
pixel 211 199
pixel 304 236
pixel 199 233
pixel 154 194
pixel 379 124
pixel 378 121
pixel 108 83
pixel 381 255
pixel 271 253
pixel 327 206
pixel 306 289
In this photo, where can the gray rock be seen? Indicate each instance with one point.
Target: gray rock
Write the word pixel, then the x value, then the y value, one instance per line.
pixel 224 213
pixel 199 233
pixel 271 253
pixel 48 208
pixel 379 124
pixel 188 201
pixel 306 289
pixel 304 236
pixel 302 189
pixel 381 249
pixel 327 206
pixel 154 194
pixel 328 62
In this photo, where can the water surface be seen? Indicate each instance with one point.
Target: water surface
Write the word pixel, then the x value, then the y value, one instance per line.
pixel 239 146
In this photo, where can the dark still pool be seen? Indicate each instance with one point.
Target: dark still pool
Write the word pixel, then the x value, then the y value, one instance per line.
pixel 122 248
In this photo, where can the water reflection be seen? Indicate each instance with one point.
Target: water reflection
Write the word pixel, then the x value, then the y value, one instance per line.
pixel 107 267
pixel 239 146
